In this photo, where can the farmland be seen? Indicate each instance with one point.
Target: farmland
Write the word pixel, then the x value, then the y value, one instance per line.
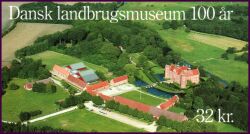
pixel 143 98
pixel 15 101
pixel 50 58
pixel 25 34
pixel 85 121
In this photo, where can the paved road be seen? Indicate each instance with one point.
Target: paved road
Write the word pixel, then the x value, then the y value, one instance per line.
pixel 51 115
pixel 122 118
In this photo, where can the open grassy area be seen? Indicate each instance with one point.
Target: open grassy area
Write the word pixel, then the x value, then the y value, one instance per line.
pixel 15 101
pixel 25 34
pixel 143 98
pixel 223 127
pixel 50 58
pixel 85 121
pixel 176 109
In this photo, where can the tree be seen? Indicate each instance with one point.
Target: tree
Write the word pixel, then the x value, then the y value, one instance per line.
pixel 110 51
pixel 166 25
pixel 142 60
pixel 39 87
pixel 231 50
pixel 24 116
pixel 13 86
pixel 53 88
pixel 81 106
pixel 152 52
pixel 86 96
pixel 65 84
pixel 174 24
pixel 97 100
pixel 198 103
pixel 130 69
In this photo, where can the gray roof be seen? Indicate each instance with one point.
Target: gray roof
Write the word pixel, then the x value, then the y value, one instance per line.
pixel 77 66
pixel 89 75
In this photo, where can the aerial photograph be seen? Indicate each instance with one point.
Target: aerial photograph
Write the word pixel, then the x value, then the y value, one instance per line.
pixel 142 67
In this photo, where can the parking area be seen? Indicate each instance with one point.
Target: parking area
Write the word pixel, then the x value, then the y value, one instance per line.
pixel 117 90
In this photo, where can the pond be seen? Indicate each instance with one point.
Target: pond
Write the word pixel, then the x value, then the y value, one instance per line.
pixel 153 90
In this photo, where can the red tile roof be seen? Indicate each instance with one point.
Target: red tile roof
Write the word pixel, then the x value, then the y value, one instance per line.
pixel 169 103
pixel 195 71
pixel 76 81
pixel 28 86
pixel 120 78
pixel 91 92
pixel 105 97
pixel 97 85
pixel 183 70
pixel 169 115
pixel 60 70
pixel 132 104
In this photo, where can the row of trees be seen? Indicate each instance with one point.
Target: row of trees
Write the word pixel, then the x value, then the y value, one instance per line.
pixel 186 126
pixel 80 99
pixel 44 88
pixel 233 50
pixel 24 116
pixel 209 94
pixel 127 110
pixel 18 127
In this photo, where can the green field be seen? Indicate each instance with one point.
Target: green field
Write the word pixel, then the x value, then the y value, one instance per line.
pixel 143 98
pixel 85 121
pixel 50 58
pixel 223 127
pixel 15 101
pixel 176 109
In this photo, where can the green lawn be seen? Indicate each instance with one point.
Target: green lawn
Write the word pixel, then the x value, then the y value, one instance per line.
pixel 165 129
pixel 176 109
pixel 146 99
pixel 223 127
pixel 50 58
pixel 85 121
pixel 15 101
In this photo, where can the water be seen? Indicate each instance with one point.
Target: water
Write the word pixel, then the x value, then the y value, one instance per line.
pixel 153 90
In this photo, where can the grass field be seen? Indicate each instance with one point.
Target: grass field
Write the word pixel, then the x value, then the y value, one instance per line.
pixel 176 109
pixel 50 58
pixel 15 101
pixel 25 34
pixel 85 121
pixel 217 40
pixel 146 99
pixel 223 127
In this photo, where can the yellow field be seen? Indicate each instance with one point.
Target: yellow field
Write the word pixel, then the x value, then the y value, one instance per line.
pixel 25 34
pixel 222 42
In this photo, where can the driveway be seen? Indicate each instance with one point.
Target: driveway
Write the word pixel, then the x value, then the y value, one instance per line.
pixel 121 118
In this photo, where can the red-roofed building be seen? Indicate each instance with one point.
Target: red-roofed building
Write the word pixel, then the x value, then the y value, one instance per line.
pixel 119 80
pixel 156 112
pixel 98 86
pixel 76 81
pixel 105 97
pixel 182 74
pixel 60 72
pixel 28 86
pixel 132 104
pixel 91 92
pixel 169 103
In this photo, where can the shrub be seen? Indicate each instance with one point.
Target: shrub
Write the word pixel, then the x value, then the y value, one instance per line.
pixel 13 86
pixel 24 116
